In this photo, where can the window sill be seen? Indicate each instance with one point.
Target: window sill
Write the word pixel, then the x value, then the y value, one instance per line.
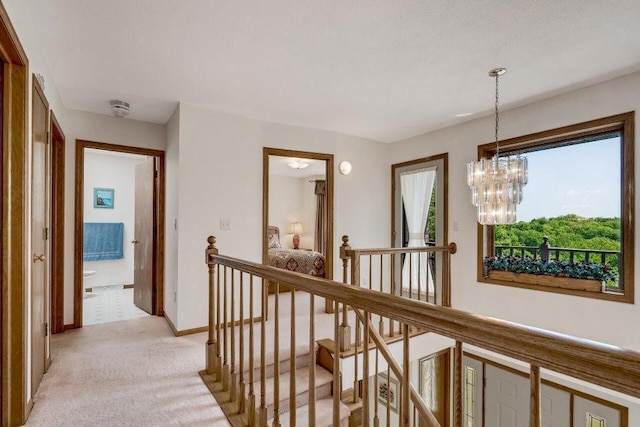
pixel 560 285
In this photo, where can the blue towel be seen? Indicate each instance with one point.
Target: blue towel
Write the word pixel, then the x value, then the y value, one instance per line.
pixel 103 240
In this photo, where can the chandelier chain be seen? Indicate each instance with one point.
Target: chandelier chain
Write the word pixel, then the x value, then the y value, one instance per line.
pixel 497 118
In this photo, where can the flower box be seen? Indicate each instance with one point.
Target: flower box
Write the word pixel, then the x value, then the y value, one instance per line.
pixel 589 285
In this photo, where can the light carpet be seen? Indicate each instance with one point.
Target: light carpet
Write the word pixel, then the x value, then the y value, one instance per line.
pixel 129 373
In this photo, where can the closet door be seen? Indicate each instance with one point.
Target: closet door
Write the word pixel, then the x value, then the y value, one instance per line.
pixel 507 398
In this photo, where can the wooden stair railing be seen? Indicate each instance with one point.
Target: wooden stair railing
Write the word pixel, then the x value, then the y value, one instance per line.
pixel 605 365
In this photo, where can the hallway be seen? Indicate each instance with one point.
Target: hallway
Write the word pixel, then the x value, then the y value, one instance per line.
pixel 129 373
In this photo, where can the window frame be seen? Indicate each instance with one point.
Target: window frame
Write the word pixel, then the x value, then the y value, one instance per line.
pixel 623 123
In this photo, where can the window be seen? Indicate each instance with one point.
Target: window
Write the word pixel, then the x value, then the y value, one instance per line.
pixel 469 396
pixel 574 233
pixel 595 421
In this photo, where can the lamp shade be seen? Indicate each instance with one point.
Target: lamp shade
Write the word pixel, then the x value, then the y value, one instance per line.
pixel 296 228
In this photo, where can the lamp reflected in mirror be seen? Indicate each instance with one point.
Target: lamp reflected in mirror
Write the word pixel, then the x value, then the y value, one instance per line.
pixel 296 229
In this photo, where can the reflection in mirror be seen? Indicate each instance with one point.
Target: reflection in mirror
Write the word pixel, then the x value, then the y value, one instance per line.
pixel 298 208
pixel 419 219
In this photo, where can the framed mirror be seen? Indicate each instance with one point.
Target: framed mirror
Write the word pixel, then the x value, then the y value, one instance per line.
pixel 298 212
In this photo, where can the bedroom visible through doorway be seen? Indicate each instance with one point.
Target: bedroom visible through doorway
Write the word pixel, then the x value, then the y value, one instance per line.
pixel 119 238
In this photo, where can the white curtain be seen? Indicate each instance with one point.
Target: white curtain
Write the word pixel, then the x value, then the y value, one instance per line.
pixel 416 189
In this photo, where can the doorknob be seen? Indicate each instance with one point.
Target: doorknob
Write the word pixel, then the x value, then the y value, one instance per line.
pixel 134 241
pixel 38 258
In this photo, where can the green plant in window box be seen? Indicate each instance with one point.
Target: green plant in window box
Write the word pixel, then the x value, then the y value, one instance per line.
pixel 527 265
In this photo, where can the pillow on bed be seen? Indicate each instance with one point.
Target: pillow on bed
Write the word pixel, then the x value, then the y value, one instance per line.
pixel 274 242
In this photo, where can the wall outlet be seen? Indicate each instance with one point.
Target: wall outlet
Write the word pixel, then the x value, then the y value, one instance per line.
pixel 225 224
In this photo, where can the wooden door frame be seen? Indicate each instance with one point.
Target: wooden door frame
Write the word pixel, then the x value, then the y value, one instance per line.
pixel 79 215
pixel 57 224
pixel 13 327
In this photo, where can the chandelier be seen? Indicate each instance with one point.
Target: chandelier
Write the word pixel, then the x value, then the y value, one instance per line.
pixel 496 184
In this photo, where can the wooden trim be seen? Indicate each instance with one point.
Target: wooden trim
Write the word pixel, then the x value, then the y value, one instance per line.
pixel 79 214
pixel 446 355
pixel 69 326
pixel 201 329
pixel 329 172
pixel 623 123
pixel 57 224
pixel 445 188
pixel 608 366
pixel 13 297
pixel 126 286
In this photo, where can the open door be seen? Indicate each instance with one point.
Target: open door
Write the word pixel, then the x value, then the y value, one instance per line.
pixel 144 289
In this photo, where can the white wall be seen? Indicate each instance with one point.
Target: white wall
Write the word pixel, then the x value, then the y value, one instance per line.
pixel 285 206
pixel 98 128
pixel 220 177
pixel 562 313
pixel 172 158
pixel 119 173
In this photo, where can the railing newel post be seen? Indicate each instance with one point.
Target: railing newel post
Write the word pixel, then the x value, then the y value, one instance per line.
pixel 345 329
pixel 212 345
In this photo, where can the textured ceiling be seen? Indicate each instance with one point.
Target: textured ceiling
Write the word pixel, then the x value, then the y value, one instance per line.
pixel 384 70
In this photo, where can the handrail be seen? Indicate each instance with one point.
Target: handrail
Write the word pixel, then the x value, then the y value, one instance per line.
pixel 605 365
pixel 416 399
pixel 553 248
pixel 451 248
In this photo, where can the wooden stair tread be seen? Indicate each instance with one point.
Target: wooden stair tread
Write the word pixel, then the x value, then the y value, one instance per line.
pixel 323 377
pixel 324 415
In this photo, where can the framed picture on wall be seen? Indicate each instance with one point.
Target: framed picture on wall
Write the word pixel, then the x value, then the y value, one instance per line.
pixel 388 391
pixel 103 198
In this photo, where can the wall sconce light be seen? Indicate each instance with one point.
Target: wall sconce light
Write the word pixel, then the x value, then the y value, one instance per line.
pixel 345 167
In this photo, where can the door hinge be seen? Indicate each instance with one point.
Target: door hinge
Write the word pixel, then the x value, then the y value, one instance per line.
pixel 46 329
pixel 155 174
pixel 46 233
pixel 48 141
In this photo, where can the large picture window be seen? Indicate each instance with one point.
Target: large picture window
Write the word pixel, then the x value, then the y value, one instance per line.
pixel 575 227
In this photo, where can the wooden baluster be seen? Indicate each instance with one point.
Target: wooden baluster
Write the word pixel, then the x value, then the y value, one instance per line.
pixel 345 329
pixel 535 419
pixel 370 271
pixel 263 362
pixel 380 317
pixel 312 361
pixel 388 396
pixel 276 358
pixel 410 271
pixel 376 418
pixel 446 284
pixel 365 369
pixel 242 389
pixel 420 275
pixel 234 375
pixel 212 345
pixel 393 291
pixel 292 362
pixel 225 368
pixel 355 361
pixel 406 415
pixel 355 268
pixel 337 389
pixel 219 327
pixel 435 278
pixel 458 399
pixel 252 394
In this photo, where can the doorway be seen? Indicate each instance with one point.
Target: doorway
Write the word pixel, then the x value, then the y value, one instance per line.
pixel 419 214
pixel 119 233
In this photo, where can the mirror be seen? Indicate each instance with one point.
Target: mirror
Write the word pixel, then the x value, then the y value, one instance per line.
pixel 298 212
pixel 419 218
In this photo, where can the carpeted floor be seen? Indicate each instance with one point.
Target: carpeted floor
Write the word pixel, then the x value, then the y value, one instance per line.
pixel 129 373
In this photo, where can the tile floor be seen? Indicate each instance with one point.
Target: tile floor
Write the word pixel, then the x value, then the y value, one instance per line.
pixel 109 304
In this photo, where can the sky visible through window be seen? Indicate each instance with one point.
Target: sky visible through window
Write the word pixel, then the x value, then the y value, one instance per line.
pixel 582 179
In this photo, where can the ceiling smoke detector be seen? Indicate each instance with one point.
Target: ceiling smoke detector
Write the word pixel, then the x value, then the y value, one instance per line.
pixel 120 108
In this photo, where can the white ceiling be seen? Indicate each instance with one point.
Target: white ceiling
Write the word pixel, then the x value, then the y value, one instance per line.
pixel 280 166
pixel 384 70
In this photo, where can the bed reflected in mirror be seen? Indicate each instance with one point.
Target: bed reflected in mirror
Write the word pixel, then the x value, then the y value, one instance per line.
pixel 298 212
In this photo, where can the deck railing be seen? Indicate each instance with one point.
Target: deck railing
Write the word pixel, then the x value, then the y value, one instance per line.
pixel 247 359
pixel 610 258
